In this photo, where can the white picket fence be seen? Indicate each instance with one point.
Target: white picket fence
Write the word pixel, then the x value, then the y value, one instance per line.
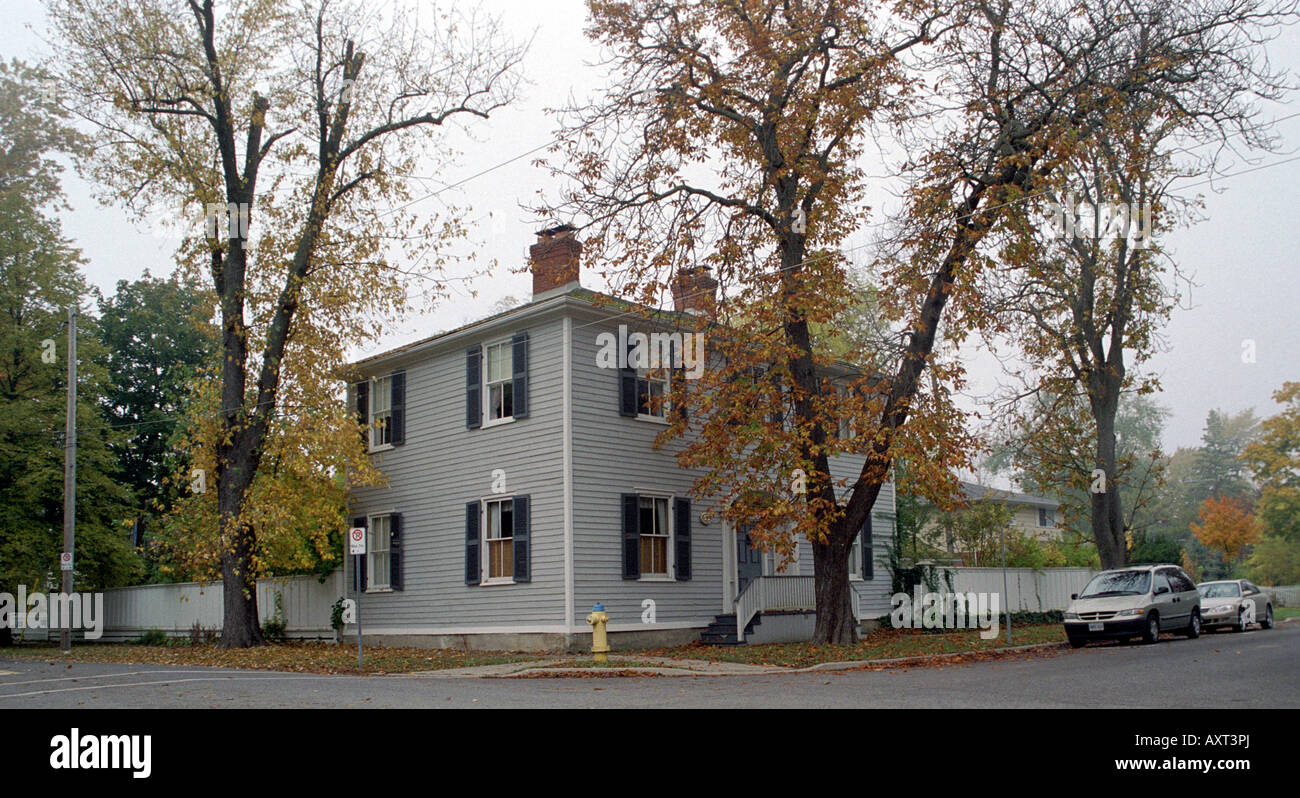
pixel 174 609
pixel 1285 595
pixel 1026 589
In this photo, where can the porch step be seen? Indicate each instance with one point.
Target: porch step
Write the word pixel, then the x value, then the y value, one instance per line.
pixel 722 630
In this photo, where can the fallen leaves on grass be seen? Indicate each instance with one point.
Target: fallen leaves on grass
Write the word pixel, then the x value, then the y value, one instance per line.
pixel 881 644
pixel 298 657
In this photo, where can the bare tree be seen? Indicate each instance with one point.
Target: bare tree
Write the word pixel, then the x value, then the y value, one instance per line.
pixel 300 120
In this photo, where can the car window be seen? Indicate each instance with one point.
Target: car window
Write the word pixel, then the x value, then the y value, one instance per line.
pixel 1219 590
pixel 1118 583
pixel 1161 581
pixel 1180 581
pixel 1250 589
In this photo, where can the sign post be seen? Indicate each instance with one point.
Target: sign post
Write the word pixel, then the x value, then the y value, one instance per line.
pixel 357 547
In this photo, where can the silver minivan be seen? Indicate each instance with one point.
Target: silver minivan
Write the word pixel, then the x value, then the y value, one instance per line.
pixel 1137 601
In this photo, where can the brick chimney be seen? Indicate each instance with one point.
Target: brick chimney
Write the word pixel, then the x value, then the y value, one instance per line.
pixel 695 290
pixel 555 259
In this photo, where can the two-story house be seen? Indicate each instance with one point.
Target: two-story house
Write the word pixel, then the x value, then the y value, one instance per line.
pixel 1031 515
pixel 525 487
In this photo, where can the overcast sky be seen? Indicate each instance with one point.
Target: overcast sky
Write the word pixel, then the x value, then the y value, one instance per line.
pixel 1242 259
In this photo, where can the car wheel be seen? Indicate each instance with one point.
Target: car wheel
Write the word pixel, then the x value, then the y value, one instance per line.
pixel 1267 623
pixel 1241 620
pixel 1152 633
pixel 1076 642
pixel 1194 626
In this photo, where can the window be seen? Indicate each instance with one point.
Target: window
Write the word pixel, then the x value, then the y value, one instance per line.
pixel 855 559
pixel 378 561
pixel 381 412
pixel 500 533
pixel 1161 583
pixel 497 541
pixel 498 378
pixel 1046 517
pixel 656 545
pixel 652 392
pixel 848 427
pixel 654 536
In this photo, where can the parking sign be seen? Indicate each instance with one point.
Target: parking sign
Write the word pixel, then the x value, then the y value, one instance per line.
pixel 65 561
pixel 357 540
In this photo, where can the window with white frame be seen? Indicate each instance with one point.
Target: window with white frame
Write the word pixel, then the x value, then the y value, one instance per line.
pixel 652 392
pixel 855 558
pixel 654 536
pixel 498 373
pixel 848 428
pixel 381 412
pixel 1046 517
pixel 499 526
pixel 378 547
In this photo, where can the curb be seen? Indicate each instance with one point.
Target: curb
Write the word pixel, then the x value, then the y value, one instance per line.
pixel 634 671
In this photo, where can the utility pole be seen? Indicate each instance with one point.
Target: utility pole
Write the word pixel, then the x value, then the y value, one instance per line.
pixel 69 481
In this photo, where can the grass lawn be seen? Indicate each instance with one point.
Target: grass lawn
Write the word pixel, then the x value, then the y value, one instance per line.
pixel 303 657
pixel 881 644
pixel 1282 613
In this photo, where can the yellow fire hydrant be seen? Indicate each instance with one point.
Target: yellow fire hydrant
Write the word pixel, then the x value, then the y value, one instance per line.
pixel 599 642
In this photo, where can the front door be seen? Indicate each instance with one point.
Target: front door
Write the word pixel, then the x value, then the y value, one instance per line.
pixel 749 560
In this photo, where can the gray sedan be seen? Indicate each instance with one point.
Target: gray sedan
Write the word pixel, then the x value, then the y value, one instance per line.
pixel 1236 604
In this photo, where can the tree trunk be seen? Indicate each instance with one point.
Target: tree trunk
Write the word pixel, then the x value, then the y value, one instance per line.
pixel 240 625
pixel 1107 518
pixel 835 624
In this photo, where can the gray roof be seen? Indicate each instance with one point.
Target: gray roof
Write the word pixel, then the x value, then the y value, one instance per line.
pixel 976 492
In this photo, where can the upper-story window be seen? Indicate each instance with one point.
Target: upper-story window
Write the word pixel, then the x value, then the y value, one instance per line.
pixel 498 380
pixel 381 412
pixel 381 408
pixel 1046 517
pixel 652 392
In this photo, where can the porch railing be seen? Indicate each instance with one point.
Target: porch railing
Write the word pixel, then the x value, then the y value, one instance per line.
pixel 778 593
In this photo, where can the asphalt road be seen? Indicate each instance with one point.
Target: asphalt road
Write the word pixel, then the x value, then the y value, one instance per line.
pixel 1257 669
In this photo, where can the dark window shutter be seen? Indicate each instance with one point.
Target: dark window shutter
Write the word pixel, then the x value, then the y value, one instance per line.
pixel 519 354
pixel 522 539
pixel 359 561
pixel 473 565
pixel 398 404
pixel 474 387
pixel 395 551
pixel 363 411
pixel 631 537
pixel 682 537
pixel 627 398
pixel 868 564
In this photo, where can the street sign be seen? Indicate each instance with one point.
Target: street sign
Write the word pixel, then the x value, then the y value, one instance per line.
pixel 357 540
pixel 65 561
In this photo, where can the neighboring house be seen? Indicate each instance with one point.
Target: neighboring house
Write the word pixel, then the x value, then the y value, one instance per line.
pixel 524 488
pixel 1035 516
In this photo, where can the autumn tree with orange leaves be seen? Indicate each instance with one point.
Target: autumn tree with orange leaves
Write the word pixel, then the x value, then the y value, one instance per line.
pixel 736 134
pixel 1227 526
